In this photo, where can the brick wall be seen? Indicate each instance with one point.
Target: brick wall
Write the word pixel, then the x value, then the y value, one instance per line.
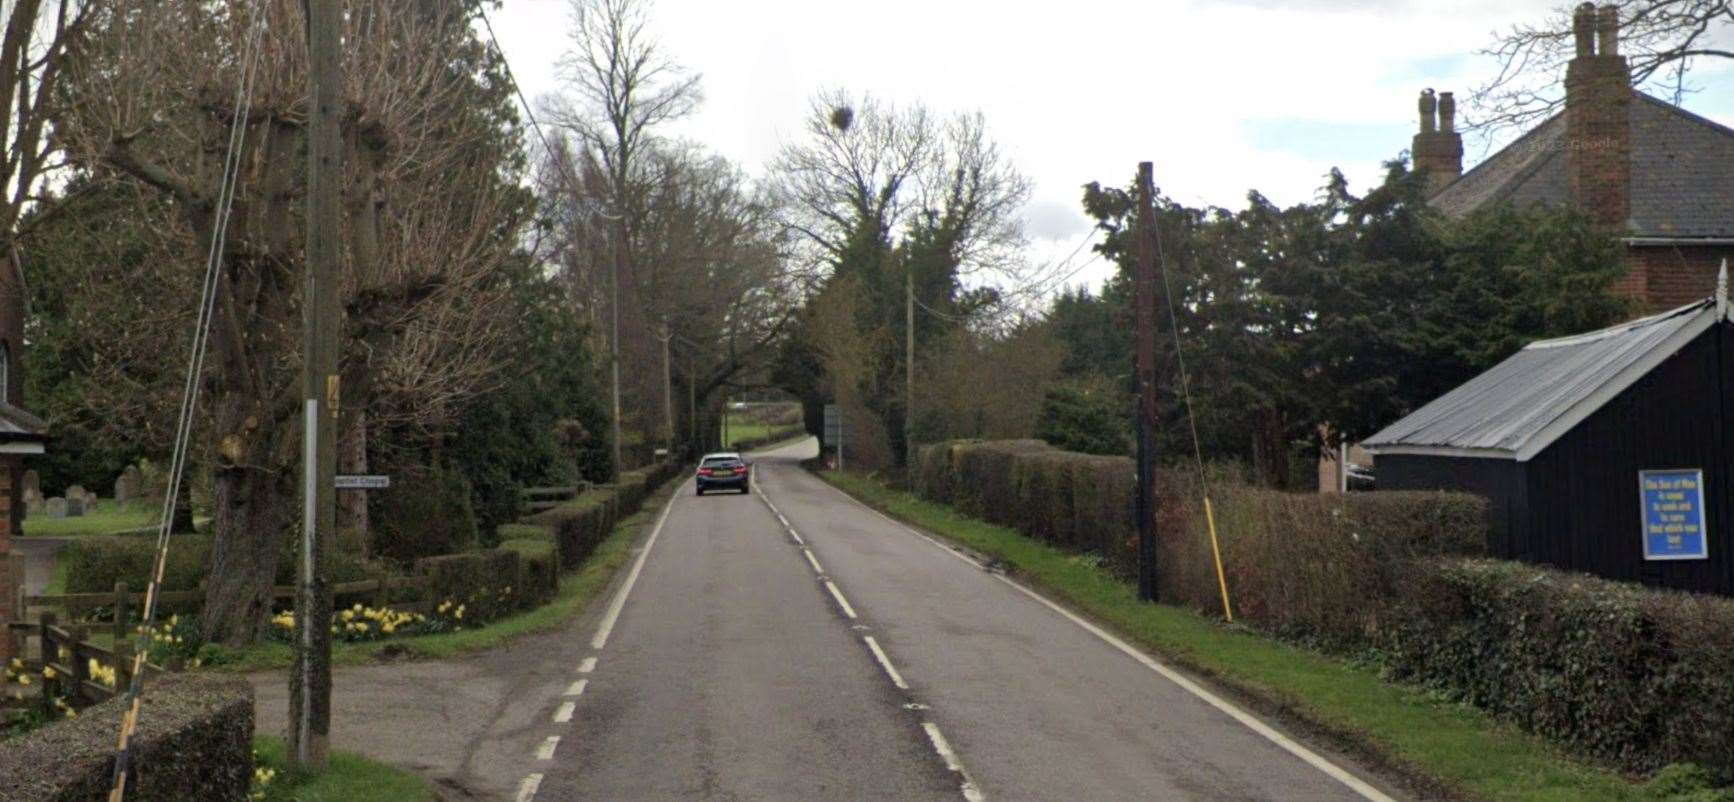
pixel 1663 277
pixel 11 565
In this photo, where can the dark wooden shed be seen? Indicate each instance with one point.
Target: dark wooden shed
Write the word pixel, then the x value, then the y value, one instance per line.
pixel 1609 452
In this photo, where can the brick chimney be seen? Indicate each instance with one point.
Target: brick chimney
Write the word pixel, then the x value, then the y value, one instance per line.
pixel 1438 148
pixel 1598 107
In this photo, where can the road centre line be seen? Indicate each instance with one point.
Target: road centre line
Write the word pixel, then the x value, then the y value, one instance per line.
pixel 971 791
pixel 527 788
pixel 577 688
pixel 885 663
pixel 814 560
pixel 1311 758
pixel 607 626
pixel 587 666
pixel 564 714
pixel 842 602
pixel 546 750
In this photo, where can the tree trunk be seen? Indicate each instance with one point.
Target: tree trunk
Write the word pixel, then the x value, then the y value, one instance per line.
pixel 253 514
pixel 352 521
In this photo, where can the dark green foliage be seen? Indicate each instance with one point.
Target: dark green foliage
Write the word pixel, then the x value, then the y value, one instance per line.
pixel 424 514
pixel 94 564
pixel 1633 675
pixel 580 524
pixel 1089 420
pixel 194 741
pixel 480 581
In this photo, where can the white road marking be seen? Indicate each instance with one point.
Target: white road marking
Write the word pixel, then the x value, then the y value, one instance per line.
pixel 564 714
pixel 587 666
pixel 970 791
pixel 797 537
pixel 546 750
pixel 527 788
pixel 614 608
pixel 842 602
pixel 577 688
pixel 885 663
pixel 1251 722
pixel 814 560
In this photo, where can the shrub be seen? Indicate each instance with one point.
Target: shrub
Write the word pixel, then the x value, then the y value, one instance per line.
pixel 423 515
pixel 578 525
pixel 194 741
pixel 94 564
pixel 1638 676
pixel 1085 419
pixel 481 581
pixel 538 570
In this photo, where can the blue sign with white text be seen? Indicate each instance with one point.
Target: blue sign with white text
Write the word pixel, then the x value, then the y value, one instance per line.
pixel 1674 520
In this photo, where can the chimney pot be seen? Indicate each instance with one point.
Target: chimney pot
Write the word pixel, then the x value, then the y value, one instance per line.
pixel 1427 106
pixel 1608 31
pixel 1583 27
pixel 1447 112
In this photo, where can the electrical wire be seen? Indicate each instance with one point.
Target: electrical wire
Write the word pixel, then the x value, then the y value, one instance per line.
pixel 189 396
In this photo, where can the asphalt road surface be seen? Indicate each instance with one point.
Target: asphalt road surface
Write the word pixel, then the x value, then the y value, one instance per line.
pixel 840 655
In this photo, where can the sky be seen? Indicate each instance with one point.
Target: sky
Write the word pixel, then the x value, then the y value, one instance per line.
pixel 1222 96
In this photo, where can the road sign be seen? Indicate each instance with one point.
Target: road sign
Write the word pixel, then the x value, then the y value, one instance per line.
pixel 833 426
pixel 363 482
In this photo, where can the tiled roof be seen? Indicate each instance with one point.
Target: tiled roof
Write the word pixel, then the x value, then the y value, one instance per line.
pixel 1682 173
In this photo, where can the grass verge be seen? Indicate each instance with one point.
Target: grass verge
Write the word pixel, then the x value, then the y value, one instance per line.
pixel 1449 747
pixel 348 778
pixel 577 589
pixel 106 519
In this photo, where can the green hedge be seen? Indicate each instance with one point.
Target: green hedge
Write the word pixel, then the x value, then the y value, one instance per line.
pixel 94 564
pixel 580 524
pixel 486 583
pixel 426 514
pixel 1642 677
pixel 194 741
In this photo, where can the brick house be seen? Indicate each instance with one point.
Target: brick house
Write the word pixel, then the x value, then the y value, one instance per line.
pixel 1660 175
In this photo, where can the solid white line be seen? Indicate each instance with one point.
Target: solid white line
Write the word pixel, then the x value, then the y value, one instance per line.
pixel 546 750
pixel 814 560
pixel 885 663
pixel 614 608
pixel 527 788
pixel 1251 722
pixel 577 688
pixel 564 714
pixel 842 602
pixel 587 666
pixel 970 791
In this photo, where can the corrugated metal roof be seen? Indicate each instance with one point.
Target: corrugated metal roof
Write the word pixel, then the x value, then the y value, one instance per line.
pixel 16 424
pixel 1521 405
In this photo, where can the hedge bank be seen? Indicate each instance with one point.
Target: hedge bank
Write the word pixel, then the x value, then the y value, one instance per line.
pixel 1640 677
pixel 194 741
pixel 578 525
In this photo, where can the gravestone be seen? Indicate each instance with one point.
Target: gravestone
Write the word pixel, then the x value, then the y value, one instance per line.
pixel 32 503
pixel 77 506
pixel 55 507
pixel 126 486
pixel 32 483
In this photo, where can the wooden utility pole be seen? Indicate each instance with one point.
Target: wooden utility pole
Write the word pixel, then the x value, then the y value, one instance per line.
pixel 614 339
pixel 909 362
pixel 691 402
pixel 1145 282
pixel 310 681
pixel 667 387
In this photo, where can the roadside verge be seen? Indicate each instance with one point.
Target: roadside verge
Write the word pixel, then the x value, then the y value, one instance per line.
pixel 1444 749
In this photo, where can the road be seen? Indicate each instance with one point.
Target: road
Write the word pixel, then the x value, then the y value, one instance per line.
pixel 843 656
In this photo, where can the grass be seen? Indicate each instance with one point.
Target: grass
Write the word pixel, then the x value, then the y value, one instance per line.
pixel 1457 747
pixel 107 518
pixel 347 778
pixel 577 589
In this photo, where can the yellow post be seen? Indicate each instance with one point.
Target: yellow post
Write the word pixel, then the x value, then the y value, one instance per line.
pixel 1216 551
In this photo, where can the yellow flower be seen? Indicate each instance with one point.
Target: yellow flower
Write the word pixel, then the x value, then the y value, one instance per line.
pixel 70 713
pixel 48 672
pixel 460 613
pixel 24 680
pixel 387 627
pixel 347 615
pixel 17 664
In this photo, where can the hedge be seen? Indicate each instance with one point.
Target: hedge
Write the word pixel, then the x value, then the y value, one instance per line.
pixel 1641 677
pixel 580 524
pixel 194 741
pixel 1315 565
pixel 94 564
pixel 486 582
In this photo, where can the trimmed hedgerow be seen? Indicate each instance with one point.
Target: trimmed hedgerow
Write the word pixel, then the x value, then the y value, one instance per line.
pixel 194 741
pixel 580 524
pixel 94 564
pixel 481 581
pixel 1633 675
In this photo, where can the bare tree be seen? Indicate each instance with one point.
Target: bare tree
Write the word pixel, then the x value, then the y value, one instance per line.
pixel 1664 40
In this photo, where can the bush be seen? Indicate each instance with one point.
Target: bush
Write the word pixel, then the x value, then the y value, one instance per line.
pixel 1088 420
pixel 194 741
pixel 538 570
pixel 423 515
pixel 1638 676
pixel 481 581
pixel 580 524
pixel 94 564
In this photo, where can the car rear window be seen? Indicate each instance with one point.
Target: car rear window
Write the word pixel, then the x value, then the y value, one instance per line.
pixel 721 462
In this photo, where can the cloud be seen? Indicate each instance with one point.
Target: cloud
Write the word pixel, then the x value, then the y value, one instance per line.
pixel 1046 219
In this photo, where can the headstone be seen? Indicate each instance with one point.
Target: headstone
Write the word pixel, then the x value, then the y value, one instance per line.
pixel 32 503
pixel 32 483
pixel 83 497
pixel 126 486
pixel 55 507
pixel 77 506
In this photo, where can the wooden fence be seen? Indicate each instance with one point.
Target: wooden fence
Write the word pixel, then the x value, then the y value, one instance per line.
pixel 67 652
pixel 122 601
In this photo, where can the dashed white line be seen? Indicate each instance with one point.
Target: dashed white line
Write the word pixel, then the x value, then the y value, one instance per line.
pixel 564 714
pixel 797 537
pixel 527 788
pixel 577 688
pixel 817 569
pixel 546 750
pixel 614 608
pixel 841 602
pixel 587 666
pixel 885 663
pixel 970 790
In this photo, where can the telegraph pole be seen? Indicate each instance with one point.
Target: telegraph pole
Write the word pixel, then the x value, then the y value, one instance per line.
pixel 909 360
pixel 1145 283
pixel 310 681
pixel 614 340
pixel 667 385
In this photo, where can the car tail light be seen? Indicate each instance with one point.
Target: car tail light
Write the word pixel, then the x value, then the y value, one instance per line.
pixel 703 471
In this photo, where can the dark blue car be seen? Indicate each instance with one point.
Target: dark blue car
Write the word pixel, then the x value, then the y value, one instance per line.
pixel 724 471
